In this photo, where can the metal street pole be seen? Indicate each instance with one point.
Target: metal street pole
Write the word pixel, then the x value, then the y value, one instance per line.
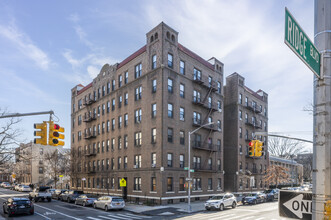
pixel 189 208
pixel 322 111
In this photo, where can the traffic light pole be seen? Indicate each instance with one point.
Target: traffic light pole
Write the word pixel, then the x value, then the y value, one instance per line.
pixel 27 114
pixel 322 111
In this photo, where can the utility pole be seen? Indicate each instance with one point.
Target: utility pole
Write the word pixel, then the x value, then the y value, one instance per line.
pixel 322 110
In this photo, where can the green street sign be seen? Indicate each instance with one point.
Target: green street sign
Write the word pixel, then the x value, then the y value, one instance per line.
pixel 185 168
pixel 298 41
pixel 192 171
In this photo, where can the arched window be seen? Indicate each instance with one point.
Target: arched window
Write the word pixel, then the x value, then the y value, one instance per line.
pixel 168 35
pixel 156 36
pixel 152 38
pixel 173 38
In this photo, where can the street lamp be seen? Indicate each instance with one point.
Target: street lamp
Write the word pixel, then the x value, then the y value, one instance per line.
pixel 189 208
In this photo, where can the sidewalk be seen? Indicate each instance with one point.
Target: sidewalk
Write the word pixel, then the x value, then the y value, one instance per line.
pixel 163 210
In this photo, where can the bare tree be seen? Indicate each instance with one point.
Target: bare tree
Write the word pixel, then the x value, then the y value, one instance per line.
pixel 276 175
pixel 285 148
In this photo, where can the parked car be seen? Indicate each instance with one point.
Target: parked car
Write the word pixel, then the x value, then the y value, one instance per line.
pixel 57 193
pixel 86 199
pixel 7 185
pixel 17 205
pixel 40 193
pixel 254 198
pixel 109 202
pixel 25 188
pixel 221 201
pixel 4 183
pixel 70 196
pixel 17 187
pixel 272 194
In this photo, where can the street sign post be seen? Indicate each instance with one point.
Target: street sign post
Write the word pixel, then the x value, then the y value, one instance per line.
pixel 298 41
pixel 294 204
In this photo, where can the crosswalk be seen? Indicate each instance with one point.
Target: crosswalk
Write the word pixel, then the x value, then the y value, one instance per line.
pixel 118 216
pixel 227 216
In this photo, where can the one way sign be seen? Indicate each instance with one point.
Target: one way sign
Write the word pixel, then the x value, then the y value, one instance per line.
pixel 294 204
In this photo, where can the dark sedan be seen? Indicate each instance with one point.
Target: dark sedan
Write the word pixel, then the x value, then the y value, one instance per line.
pixel 254 198
pixel 70 196
pixel 86 199
pixel 17 205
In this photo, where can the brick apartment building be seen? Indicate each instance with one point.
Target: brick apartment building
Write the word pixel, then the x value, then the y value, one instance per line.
pixel 245 112
pixel 132 122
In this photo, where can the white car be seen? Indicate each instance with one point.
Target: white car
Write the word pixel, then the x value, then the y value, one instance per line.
pixel 3 184
pixel 109 202
pixel 221 201
pixel 17 187
pixel 24 188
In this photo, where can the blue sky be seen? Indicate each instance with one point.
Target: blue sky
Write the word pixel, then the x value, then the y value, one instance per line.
pixel 48 47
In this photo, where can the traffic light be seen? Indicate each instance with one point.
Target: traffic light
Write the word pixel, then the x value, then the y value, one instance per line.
pixel 55 134
pixel 259 148
pixel 252 144
pixel 42 133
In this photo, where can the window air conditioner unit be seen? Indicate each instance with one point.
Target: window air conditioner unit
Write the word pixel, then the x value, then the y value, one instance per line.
pixel 153 165
pixel 135 166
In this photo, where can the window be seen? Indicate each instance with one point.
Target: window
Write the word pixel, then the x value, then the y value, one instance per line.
pixel 219 184
pixel 240 115
pixel 170 60
pixel 196 96
pixel 125 159
pixel 240 98
pixel 169 160
pixel 181 114
pixel 119 121
pixel 98 129
pixel 137 161
pixel 153 159
pixel 196 74
pixel 170 87
pixel 182 67
pixel 170 135
pixel 196 162
pixel 113 104
pixel 99 110
pixel 126 77
pixel 108 87
pixel 182 137
pixel 170 184
pixel 154 83
pixel 99 93
pixel 153 110
pixel 137 118
pixel 170 110
pixel 210 102
pixel 219 106
pixel 137 139
pixel 210 184
pixel 196 118
pixel 41 170
pixel 107 164
pixel 112 163
pixel 113 85
pixel 210 80
pixel 153 135
pixel 113 124
pixel 240 133
pixel 126 98
pixel 107 146
pixel 113 143
pixel 138 71
pixel 120 79
pixel 246 117
pixel 246 101
pixel 138 93
pixel 119 143
pixel 219 165
pixel 126 120
pixel 219 125
pixel 153 184
pixel 210 164
pixel 125 140
pixel 137 183
pixel 181 161
pixel 119 161
pixel 219 87
pixel 120 101
pixel 181 184
pixel 182 90
pixel 153 61
pixel 108 107
pixel 240 149
pixel 196 183
pixel 108 126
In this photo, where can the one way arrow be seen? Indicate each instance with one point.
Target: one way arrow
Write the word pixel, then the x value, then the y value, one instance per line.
pixel 298 206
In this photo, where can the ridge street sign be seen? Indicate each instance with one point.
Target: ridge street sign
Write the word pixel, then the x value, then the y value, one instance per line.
pixel 298 41
pixel 294 204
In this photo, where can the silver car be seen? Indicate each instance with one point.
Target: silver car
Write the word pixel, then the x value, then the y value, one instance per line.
pixel 109 202
pixel 221 201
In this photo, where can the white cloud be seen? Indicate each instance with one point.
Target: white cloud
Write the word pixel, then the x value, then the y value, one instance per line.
pixel 93 71
pixel 24 44
pixel 74 17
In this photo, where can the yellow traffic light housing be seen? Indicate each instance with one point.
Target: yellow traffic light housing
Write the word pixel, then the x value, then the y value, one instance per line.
pixel 54 135
pixel 252 145
pixel 42 133
pixel 259 148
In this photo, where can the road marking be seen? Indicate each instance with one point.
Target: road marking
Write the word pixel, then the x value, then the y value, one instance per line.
pixel 218 217
pixel 69 216
pixel 134 217
pixel 93 218
pixel 249 217
pixel 106 217
pixel 129 214
pixel 259 218
pixel 118 217
pixel 42 215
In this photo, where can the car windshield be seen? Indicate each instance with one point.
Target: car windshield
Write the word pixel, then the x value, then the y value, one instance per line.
pixel 268 191
pixel 21 202
pixel 252 194
pixel 216 197
pixel 92 196
pixel 117 200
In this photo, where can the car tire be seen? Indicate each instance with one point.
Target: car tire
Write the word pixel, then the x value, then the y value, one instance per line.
pixel 36 199
pixel 234 205
pixel 221 208
pixel 255 202
pixel 49 199
pixel 68 200
pixel 94 206
pixel 207 209
pixel 4 210
pixel 76 202
pixel 106 208
pixel 84 204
